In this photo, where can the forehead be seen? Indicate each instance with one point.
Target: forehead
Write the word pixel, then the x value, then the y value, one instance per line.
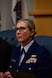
pixel 21 24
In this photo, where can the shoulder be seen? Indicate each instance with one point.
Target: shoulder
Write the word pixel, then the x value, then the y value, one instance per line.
pixel 40 49
pixel 15 50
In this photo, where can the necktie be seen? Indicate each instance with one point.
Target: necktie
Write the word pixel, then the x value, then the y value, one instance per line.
pixel 22 55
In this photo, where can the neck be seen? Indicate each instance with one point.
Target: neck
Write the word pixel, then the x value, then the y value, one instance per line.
pixel 26 42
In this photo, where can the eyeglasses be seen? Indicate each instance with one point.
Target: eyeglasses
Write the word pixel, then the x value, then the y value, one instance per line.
pixel 21 29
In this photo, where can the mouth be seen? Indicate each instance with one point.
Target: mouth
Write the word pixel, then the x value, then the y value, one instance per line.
pixel 19 37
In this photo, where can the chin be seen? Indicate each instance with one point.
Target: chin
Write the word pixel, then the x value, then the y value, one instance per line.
pixel 20 40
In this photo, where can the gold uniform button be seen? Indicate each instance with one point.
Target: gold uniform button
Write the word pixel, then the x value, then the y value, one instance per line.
pixel 29 68
pixel 17 70
pixel 10 66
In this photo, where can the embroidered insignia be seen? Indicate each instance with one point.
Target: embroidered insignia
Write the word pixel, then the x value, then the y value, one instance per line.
pixel 32 59
pixel 13 60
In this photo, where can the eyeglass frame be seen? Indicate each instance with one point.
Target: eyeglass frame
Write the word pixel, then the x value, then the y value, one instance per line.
pixel 21 29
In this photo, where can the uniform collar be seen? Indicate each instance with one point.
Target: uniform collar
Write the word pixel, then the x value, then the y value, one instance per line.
pixel 27 46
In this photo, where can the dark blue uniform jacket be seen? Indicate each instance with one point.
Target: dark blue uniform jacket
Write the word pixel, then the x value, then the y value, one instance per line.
pixel 36 61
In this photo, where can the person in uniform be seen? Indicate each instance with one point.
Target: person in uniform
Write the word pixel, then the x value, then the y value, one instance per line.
pixel 29 56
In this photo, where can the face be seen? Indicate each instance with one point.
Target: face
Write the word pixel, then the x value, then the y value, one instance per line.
pixel 23 34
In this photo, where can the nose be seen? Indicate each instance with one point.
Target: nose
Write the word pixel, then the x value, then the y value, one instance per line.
pixel 18 32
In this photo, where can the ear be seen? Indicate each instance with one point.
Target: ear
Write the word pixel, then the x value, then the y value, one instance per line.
pixel 32 32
